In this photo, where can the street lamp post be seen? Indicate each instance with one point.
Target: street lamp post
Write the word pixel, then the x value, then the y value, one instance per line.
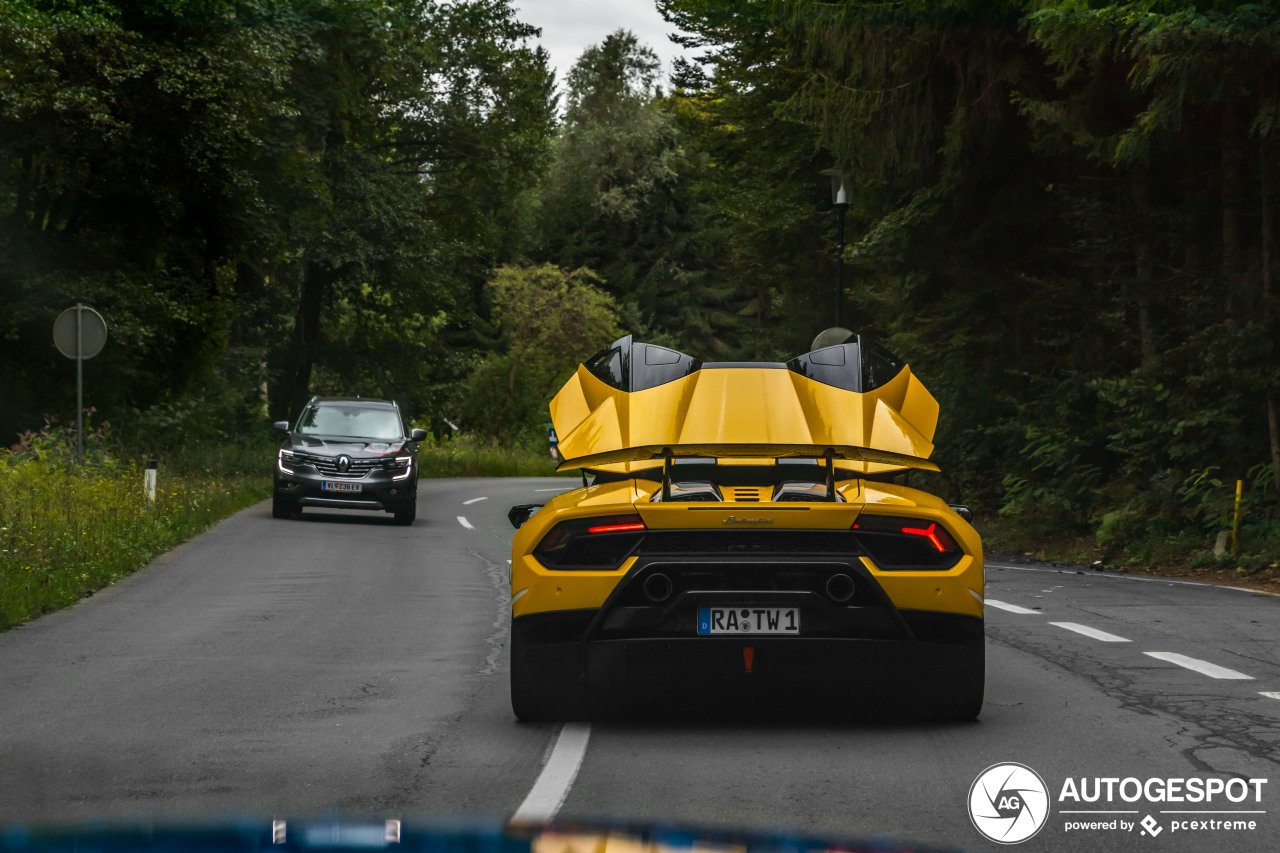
pixel 840 200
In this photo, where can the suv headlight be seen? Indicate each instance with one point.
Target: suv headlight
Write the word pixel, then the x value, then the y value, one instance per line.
pixel 403 465
pixel 284 460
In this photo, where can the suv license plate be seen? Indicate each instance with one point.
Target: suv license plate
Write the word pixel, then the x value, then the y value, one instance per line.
pixel 748 620
pixel 331 486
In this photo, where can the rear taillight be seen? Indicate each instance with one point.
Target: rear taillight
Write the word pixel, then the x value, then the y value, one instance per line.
pixel 598 542
pixel 907 543
pixel 616 528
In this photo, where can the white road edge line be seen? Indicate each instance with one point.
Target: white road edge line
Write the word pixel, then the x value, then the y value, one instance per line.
pixel 1269 694
pixel 474 501
pixel 553 783
pixel 1012 608
pixel 462 519
pixel 1203 667
pixel 1092 632
pixel 1118 577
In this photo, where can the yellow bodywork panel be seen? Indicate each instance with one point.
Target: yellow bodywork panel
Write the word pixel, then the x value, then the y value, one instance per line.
pixel 744 406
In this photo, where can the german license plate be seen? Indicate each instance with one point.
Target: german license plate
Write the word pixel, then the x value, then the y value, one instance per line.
pixel 748 620
pixel 334 486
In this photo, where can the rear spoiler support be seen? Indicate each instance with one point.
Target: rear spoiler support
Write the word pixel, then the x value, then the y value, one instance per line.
pixel 666 473
pixel 830 457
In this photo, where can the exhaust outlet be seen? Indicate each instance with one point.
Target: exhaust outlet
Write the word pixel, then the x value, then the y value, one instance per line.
pixel 657 587
pixel 840 588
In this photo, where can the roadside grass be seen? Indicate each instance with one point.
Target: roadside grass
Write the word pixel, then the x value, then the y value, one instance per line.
pixel 68 530
pixel 1186 553
pixel 468 456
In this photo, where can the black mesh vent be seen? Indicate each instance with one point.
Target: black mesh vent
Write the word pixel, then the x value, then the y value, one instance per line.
pixel 600 551
pixel 749 542
pixel 895 551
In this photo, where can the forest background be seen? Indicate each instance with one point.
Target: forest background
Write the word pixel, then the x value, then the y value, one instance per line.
pixel 1062 214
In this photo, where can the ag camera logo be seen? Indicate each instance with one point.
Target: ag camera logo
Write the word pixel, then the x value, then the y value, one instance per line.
pixel 1008 803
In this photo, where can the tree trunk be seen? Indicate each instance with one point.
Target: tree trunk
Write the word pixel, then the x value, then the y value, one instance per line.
pixel 1273 428
pixel 1232 183
pixel 1143 274
pixel 1268 309
pixel 300 360
pixel 1264 193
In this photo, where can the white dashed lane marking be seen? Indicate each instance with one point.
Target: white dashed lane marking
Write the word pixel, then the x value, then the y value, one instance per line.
pixel 1012 608
pixel 1269 694
pixel 1201 666
pixel 462 519
pixel 1091 632
pixel 555 780
pixel 556 489
pixel 474 501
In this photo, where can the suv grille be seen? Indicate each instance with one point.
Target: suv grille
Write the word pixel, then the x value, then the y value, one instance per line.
pixel 328 465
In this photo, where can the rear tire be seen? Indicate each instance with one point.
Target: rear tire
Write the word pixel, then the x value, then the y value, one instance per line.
pixel 528 702
pixel 284 508
pixel 538 696
pixel 964 703
pixel 406 515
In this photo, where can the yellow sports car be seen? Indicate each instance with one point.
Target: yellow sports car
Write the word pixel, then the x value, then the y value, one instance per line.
pixel 739 546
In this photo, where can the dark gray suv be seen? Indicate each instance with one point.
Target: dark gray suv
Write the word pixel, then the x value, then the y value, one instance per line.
pixel 348 453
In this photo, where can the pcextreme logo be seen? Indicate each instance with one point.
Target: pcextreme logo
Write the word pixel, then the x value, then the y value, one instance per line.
pixel 1008 803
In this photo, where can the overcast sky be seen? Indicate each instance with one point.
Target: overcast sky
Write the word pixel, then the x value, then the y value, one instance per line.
pixel 571 26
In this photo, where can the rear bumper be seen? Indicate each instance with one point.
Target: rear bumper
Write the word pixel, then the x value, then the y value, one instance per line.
pixel 694 676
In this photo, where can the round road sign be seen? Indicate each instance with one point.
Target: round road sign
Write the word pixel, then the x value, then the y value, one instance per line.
pixel 93 332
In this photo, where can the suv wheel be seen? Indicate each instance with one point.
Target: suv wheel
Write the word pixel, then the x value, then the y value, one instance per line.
pixel 284 508
pixel 407 514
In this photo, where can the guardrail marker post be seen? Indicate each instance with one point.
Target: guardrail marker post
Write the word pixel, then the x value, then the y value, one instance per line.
pixel 149 481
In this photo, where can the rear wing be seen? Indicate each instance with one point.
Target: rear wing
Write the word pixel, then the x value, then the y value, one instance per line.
pixel 747 451
pixel 634 403
pixel 777 451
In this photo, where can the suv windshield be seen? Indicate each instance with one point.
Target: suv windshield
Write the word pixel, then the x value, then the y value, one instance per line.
pixel 350 421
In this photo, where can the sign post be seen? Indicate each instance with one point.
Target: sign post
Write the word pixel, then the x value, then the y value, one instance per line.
pixel 79 333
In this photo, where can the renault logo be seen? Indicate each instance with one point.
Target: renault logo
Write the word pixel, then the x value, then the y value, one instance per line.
pixel 344 464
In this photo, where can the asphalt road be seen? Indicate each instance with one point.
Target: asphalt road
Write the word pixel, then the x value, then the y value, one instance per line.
pixel 341 664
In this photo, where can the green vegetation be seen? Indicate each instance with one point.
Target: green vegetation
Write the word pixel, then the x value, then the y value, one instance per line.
pixel 474 457
pixel 67 531
pixel 1062 212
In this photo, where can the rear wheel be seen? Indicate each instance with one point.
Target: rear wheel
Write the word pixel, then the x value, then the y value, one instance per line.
pixel 406 515
pixel 964 701
pixel 284 508
pixel 528 701
pixel 538 696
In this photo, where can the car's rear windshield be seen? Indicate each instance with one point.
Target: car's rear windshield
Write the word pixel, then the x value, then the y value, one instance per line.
pixel 350 422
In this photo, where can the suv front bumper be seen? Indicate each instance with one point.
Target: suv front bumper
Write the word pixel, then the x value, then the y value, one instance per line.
pixel 380 490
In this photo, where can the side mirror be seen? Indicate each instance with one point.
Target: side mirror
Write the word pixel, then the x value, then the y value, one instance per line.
pixel 417 435
pixel 283 426
pixel 520 513
pixel 962 511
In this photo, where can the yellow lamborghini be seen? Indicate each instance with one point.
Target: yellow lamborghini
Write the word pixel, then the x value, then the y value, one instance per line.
pixel 739 546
